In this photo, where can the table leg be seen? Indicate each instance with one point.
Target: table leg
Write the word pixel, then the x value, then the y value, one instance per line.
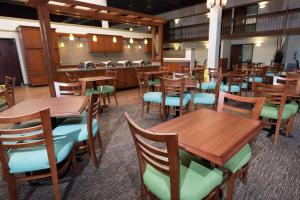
pixel 95 85
pixel 53 122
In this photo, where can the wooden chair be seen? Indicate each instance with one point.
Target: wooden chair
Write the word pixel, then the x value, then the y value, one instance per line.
pixel 10 83
pixel 34 149
pixel 72 78
pixel 198 74
pixel 178 75
pixel 87 128
pixel 275 108
pixel 213 77
pixel 173 95
pixel 142 82
pixel 238 165
pixel 5 99
pixel 258 74
pixel 110 90
pixel 159 165
pixel 234 83
pixel 62 89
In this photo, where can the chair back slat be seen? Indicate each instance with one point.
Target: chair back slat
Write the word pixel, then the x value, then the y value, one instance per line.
pixel 25 144
pixel 274 94
pixel 94 105
pixel 21 130
pixel 62 89
pixel 253 113
pixel 278 80
pixel 166 161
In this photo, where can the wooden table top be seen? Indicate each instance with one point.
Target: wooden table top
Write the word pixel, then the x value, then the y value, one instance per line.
pixel 66 106
pixel 96 78
pixel 211 135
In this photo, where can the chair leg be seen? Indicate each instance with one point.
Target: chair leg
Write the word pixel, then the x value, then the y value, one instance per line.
pixel 74 162
pixel 99 140
pixel 245 174
pixel 143 192
pixel 115 95
pixel 230 186
pixel 160 112
pixel 143 105
pixel 108 98
pixel 11 183
pixel 93 153
pixel 276 137
pixel 54 179
pixel 148 107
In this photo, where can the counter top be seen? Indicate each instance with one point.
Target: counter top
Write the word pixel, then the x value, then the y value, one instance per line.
pixel 76 69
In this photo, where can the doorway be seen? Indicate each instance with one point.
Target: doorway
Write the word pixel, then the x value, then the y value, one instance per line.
pixel 241 54
pixel 9 61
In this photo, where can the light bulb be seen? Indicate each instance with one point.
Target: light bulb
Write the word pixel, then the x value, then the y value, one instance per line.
pixel 95 39
pixel 176 21
pixel 71 37
pixel 149 27
pixel 140 47
pixel 128 46
pixel 131 29
pixel 80 45
pixel 62 44
pixel 114 39
pixel 131 41
pixel 145 41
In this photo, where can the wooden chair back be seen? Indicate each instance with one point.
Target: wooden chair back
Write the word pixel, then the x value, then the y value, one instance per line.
pixel 112 73
pixel 235 79
pixel 185 69
pixel 164 69
pixel 72 78
pixel 5 94
pixel 293 74
pixel 62 89
pixel 278 80
pixel 10 83
pixel 94 106
pixel 254 113
pixel 198 72
pixel 214 73
pixel 178 75
pixel 164 160
pixel 172 87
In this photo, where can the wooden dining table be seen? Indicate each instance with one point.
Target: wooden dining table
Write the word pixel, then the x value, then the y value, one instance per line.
pixel 211 135
pixel 67 106
pixel 94 79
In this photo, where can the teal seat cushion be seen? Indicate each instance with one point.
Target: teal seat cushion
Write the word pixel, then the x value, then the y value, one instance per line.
pixel 244 85
pixel 153 82
pixel 234 88
pixel 271 112
pixel 204 98
pixel 239 160
pixel 257 79
pixel 196 181
pixel 270 74
pixel 153 97
pixel 208 85
pixel 77 128
pixel 107 89
pixel 89 92
pixel 175 100
pixel 36 158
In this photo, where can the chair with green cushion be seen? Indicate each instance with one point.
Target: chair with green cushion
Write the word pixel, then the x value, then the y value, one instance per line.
pixel 110 90
pixel 62 89
pixel 24 151
pixel 238 165
pixel 276 111
pixel 162 173
pixel 142 79
pixel 173 95
pixel 86 129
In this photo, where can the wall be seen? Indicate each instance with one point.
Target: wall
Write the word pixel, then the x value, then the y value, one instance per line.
pixel 8 30
pixel 72 54
pixel 293 43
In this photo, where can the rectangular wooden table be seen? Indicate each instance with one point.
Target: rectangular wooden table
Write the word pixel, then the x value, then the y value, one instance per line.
pixel 211 135
pixel 94 80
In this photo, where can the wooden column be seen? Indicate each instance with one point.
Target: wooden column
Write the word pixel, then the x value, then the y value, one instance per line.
pixel 48 44
pixel 160 43
pixel 153 52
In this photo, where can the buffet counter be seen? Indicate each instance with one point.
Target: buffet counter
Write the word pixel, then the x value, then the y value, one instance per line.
pixel 126 76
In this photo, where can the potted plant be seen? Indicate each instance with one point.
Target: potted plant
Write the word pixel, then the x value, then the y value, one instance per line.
pixel 278 56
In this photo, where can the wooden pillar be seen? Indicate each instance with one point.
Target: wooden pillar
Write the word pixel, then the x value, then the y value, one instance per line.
pixel 153 52
pixel 160 43
pixel 48 44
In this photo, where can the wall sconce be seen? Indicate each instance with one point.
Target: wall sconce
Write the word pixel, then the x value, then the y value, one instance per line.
pixel 131 29
pixel 71 37
pixel 114 39
pixel 258 44
pixel 263 4
pixel 145 41
pixel 176 21
pixel 206 46
pixel 211 3
pixel 95 39
pixel 131 41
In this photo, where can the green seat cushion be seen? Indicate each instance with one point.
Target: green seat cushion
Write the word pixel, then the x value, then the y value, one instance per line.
pixel 153 82
pixel 36 158
pixel 208 85
pixel 76 127
pixel 153 97
pixel 204 98
pixel 234 88
pixel 270 74
pixel 244 85
pixel 271 112
pixel 239 160
pixel 175 100
pixel 89 92
pixel 257 79
pixel 293 105
pixel 107 89
pixel 196 181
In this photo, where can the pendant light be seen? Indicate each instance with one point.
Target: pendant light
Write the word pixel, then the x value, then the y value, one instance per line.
pixel 114 39
pixel 95 39
pixel 140 47
pixel 80 45
pixel 62 44
pixel 128 46
pixel 71 37
pixel 145 41
pixel 131 41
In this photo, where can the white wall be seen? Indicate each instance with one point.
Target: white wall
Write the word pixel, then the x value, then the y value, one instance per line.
pixel 292 47
pixel 200 50
pixel 8 30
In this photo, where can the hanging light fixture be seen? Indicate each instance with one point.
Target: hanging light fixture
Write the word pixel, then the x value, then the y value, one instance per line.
pixel 145 41
pixel 80 45
pixel 71 37
pixel 128 46
pixel 131 29
pixel 140 46
pixel 114 39
pixel 95 39
pixel 212 3
pixel 131 41
pixel 62 44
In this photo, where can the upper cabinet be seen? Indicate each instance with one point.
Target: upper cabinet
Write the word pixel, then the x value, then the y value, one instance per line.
pixel 105 44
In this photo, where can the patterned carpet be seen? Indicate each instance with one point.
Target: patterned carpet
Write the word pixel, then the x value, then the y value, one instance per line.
pixel 274 171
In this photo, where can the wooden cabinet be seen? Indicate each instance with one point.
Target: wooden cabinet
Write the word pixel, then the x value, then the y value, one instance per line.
pixel 105 44
pixel 33 48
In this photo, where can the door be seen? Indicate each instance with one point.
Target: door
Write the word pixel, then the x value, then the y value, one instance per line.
pixel 9 61
pixel 236 55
